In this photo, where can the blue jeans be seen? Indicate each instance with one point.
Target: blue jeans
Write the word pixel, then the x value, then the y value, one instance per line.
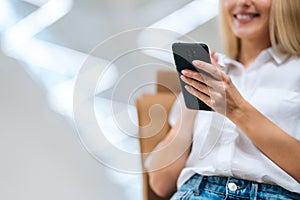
pixel 216 188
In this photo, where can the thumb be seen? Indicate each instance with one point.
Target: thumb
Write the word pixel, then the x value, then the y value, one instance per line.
pixel 214 60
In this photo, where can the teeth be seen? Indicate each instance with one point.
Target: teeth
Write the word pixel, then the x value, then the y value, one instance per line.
pixel 243 17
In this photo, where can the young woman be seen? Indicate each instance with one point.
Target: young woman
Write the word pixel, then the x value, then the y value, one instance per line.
pixel 249 147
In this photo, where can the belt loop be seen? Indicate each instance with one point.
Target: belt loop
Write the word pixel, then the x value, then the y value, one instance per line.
pixel 226 186
pixel 254 189
pixel 197 185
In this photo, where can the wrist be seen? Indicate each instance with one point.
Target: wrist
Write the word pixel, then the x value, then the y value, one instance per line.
pixel 240 114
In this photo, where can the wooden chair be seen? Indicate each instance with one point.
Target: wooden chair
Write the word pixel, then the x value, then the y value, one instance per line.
pixel 153 110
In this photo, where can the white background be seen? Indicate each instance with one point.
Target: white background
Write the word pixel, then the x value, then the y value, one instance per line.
pixel 41 156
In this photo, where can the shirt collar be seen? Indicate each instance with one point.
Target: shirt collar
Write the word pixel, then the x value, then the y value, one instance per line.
pixel 278 57
pixel 266 54
pixel 226 61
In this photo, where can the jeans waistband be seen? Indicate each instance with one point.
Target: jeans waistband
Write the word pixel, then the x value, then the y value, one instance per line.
pixel 236 187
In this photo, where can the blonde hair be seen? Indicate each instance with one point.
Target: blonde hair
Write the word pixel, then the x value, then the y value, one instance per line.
pixel 230 41
pixel 284 26
pixel 284 29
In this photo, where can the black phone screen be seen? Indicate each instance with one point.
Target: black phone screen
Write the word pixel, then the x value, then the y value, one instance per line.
pixel 184 54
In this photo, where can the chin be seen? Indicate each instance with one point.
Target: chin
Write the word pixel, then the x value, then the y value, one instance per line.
pixel 245 34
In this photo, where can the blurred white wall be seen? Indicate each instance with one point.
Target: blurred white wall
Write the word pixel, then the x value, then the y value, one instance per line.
pixel 41 154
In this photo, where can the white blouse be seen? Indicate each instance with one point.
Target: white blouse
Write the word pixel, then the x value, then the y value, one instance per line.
pixel 272 85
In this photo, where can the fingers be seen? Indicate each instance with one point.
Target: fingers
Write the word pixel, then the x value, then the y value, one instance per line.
pixel 215 71
pixel 210 86
pixel 203 97
pixel 215 100
pixel 204 86
pixel 212 100
pixel 199 85
pixel 195 78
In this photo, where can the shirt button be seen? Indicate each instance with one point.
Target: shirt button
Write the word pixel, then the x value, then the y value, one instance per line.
pixel 232 187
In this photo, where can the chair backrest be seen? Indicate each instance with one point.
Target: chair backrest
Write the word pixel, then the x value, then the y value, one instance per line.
pixel 153 110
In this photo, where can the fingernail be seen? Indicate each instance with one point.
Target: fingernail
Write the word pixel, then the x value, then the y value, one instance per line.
pixel 187 87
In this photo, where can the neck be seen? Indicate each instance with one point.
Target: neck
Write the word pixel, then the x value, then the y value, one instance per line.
pixel 250 49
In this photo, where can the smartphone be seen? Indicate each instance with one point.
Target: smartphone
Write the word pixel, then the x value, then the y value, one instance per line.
pixel 184 54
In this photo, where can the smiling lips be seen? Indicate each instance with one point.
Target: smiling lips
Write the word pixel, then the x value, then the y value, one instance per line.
pixel 245 17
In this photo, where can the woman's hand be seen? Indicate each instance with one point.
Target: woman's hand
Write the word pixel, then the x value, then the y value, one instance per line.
pixel 217 90
pixel 213 87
